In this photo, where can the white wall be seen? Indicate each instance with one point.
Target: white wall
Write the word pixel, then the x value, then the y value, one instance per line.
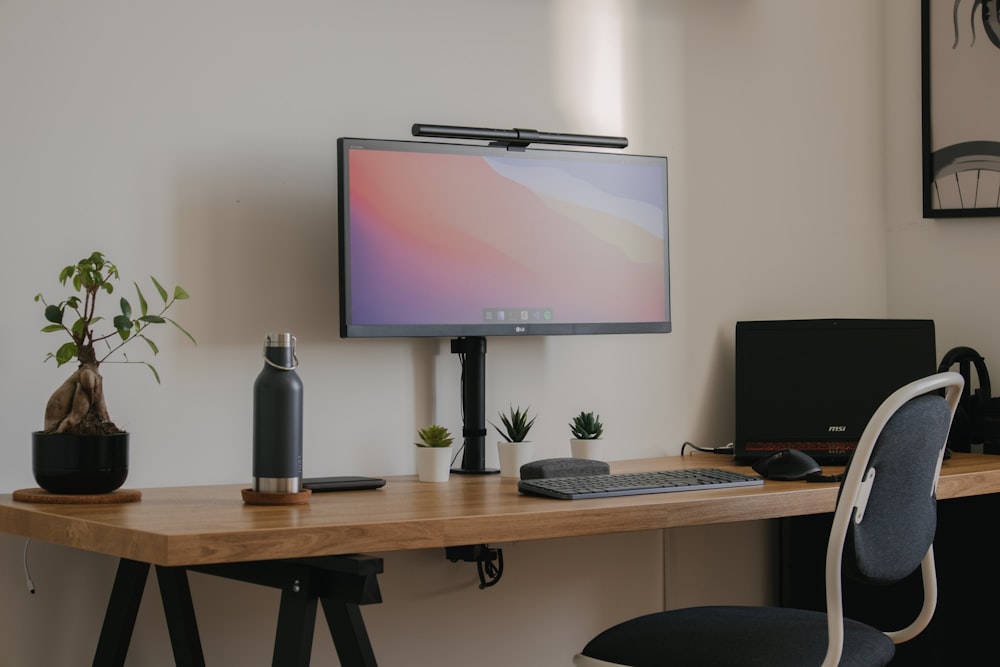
pixel 195 141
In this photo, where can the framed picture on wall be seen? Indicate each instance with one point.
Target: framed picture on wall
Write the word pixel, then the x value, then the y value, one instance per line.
pixel 961 108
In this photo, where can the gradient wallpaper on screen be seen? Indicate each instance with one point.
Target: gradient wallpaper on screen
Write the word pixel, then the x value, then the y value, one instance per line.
pixel 442 238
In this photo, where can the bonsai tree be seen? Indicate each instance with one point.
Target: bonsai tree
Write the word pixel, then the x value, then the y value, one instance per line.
pixel 586 426
pixel 516 424
pixel 434 436
pixel 78 406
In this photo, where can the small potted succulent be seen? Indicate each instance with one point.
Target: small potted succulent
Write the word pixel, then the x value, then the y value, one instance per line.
pixel 514 450
pixel 80 450
pixel 434 453
pixel 586 429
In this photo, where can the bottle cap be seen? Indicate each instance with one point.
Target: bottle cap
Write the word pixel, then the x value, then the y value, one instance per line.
pixel 279 340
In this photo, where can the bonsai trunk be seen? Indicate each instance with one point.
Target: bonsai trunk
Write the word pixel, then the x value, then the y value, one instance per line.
pixel 77 406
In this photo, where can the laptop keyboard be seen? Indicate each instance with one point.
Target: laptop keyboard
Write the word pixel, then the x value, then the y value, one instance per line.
pixel 635 483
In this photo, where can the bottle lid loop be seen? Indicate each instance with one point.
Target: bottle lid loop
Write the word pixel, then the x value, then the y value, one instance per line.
pixel 282 338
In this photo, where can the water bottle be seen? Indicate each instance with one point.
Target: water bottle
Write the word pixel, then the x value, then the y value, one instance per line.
pixel 277 419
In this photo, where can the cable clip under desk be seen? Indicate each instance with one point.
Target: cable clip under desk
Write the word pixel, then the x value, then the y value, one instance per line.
pixel 483 556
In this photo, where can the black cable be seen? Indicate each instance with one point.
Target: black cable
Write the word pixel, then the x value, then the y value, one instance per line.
pixel 728 449
pixel 820 477
pixel 488 569
pixel 461 393
pixel 27 574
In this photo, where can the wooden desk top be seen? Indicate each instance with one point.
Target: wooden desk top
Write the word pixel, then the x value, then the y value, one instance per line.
pixel 211 524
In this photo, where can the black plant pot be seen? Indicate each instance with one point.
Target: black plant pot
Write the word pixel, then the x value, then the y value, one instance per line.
pixel 79 464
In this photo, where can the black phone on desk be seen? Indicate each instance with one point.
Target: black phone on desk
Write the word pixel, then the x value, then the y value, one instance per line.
pixel 341 483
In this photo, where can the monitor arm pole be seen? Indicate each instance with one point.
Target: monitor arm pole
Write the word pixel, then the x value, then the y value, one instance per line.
pixel 472 353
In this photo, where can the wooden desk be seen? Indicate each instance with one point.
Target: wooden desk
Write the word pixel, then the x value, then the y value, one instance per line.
pixel 211 524
pixel 200 527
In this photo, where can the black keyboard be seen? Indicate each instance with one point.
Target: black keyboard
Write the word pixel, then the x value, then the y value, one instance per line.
pixel 635 483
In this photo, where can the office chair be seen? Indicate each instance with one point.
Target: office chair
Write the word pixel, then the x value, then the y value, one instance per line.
pixel 883 530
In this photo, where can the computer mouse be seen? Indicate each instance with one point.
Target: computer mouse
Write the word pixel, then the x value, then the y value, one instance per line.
pixel 787 464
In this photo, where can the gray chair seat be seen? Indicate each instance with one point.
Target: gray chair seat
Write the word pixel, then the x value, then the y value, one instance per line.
pixel 736 636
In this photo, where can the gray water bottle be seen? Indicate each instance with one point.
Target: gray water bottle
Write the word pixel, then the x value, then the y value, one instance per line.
pixel 277 419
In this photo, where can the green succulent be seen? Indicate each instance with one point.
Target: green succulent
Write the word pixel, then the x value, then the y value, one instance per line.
pixel 587 426
pixel 434 436
pixel 516 424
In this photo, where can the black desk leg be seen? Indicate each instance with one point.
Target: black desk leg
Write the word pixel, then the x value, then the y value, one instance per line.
pixel 179 611
pixel 349 634
pixel 119 619
pixel 296 621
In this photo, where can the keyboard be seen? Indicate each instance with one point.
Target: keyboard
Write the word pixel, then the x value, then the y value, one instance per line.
pixel 635 483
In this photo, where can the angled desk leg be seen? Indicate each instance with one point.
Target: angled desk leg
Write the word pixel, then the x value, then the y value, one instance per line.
pixel 123 608
pixel 350 636
pixel 119 619
pixel 296 622
pixel 175 592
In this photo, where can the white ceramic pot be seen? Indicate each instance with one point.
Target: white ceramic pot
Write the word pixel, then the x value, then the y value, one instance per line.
pixel 433 463
pixel 587 449
pixel 513 455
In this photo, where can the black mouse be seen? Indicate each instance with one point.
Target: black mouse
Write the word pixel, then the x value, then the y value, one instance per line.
pixel 787 464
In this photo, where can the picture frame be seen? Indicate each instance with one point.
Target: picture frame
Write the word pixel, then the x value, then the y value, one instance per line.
pixel 960 54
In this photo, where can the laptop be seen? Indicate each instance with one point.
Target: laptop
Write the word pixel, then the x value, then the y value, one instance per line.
pixel 812 385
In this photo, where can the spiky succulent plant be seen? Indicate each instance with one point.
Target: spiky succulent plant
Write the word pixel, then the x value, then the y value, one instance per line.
pixel 516 424
pixel 586 426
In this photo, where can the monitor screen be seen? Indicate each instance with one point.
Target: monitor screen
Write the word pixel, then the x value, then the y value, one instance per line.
pixel 443 239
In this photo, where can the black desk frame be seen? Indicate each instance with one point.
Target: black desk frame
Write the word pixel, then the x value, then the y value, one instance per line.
pixel 341 583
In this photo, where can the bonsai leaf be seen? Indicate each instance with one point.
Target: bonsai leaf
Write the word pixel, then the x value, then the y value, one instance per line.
pixel 151 344
pixel 126 308
pixel 150 367
pixel 180 294
pixel 182 330
pixel 159 288
pixel 52 327
pixel 123 326
pixel 143 306
pixel 67 352
pixel 54 314
pixel 79 328
pixel 152 319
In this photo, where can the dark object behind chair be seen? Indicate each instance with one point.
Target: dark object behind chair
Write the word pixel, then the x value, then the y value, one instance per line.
pixel 883 530
pixel 977 419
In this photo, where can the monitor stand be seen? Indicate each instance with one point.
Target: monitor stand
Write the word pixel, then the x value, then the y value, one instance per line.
pixel 472 355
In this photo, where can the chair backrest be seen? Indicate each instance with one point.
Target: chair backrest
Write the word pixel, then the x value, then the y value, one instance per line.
pixel 886 516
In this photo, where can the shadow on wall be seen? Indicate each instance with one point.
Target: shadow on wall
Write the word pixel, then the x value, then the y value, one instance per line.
pixel 257 239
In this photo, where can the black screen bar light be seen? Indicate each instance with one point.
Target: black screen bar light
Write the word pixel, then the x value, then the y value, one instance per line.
pixel 516 138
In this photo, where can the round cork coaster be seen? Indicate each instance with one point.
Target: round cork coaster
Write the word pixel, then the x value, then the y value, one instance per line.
pixel 251 497
pixel 115 497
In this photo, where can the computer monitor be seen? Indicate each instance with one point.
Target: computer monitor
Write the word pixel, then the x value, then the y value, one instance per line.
pixel 468 241
pixel 440 239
